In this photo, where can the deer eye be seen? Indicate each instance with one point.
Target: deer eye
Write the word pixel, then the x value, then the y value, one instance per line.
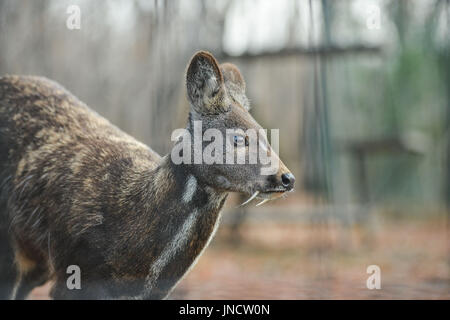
pixel 238 141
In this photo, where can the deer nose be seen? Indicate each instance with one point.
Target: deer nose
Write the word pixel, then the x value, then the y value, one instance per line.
pixel 288 180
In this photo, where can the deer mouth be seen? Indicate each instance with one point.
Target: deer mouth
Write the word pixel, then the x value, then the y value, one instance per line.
pixel 271 195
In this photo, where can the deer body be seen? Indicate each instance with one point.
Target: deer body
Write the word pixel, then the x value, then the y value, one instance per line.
pixel 76 190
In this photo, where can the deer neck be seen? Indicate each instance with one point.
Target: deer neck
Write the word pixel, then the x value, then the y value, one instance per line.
pixel 177 187
pixel 183 216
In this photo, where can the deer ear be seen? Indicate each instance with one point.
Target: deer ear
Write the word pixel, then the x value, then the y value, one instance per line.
pixel 235 84
pixel 233 77
pixel 204 83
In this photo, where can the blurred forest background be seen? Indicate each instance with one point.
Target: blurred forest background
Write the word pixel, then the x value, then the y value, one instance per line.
pixel 360 91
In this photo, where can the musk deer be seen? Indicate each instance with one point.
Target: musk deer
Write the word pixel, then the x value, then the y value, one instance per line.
pixel 76 190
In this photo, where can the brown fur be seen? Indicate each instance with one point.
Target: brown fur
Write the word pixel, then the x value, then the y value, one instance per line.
pixel 76 190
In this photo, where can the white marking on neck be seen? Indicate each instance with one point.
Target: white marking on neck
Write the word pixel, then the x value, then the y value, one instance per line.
pixel 16 288
pixel 178 242
pixel 211 236
pixel 189 189
pixel 171 249
pixel 216 225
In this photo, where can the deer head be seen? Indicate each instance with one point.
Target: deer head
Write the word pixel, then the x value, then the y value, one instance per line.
pixel 228 149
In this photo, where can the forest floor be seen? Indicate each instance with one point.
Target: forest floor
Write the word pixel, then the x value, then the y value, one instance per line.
pixel 320 261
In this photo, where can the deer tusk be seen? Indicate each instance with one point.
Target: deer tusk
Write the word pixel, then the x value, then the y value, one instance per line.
pixel 262 202
pixel 250 199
